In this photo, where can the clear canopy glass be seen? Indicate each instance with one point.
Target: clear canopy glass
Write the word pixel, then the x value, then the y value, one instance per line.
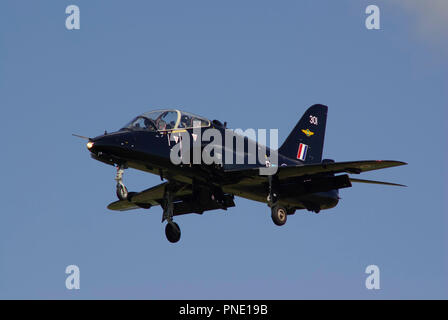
pixel 167 120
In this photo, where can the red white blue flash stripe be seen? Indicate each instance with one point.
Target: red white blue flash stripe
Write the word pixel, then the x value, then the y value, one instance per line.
pixel 301 153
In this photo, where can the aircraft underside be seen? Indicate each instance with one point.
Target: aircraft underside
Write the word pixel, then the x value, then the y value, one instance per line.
pixel 183 194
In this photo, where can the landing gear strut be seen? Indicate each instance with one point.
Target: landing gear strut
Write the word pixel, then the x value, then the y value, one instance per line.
pixel 122 191
pixel 272 194
pixel 172 230
pixel 279 213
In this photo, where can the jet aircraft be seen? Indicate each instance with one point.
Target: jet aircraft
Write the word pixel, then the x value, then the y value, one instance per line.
pixel 302 179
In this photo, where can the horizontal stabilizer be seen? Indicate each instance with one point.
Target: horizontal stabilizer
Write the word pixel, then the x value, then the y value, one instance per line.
pixel 337 167
pixel 377 182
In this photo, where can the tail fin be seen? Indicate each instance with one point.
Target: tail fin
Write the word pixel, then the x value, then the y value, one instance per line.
pixel 306 141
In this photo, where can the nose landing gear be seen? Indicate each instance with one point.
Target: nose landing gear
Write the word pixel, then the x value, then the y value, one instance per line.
pixel 122 191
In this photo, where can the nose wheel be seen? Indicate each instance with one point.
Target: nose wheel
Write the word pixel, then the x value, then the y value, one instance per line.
pixel 122 191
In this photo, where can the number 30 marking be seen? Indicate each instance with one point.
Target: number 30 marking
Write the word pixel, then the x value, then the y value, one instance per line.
pixel 313 120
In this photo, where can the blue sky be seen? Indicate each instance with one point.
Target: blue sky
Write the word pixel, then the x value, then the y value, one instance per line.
pixel 256 64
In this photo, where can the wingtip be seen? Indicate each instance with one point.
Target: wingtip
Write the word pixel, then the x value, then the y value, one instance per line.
pixel 395 162
pixel 400 185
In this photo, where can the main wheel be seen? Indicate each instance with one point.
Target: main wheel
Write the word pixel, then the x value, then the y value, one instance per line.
pixel 172 232
pixel 122 192
pixel 279 215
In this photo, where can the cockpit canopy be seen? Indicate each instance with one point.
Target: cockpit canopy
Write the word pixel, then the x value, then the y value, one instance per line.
pixel 167 120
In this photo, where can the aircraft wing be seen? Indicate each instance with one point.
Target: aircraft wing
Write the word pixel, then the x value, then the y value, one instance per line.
pixel 248 183
pixel 146 199
pixel 332 167
pixel 154 195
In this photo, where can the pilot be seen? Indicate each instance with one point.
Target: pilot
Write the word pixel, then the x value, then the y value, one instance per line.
pixel 161 125
pixel 148 125
pixel 185 122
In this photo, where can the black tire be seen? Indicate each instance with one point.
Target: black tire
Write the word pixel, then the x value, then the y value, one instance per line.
pixel 279 215
pixel 172 232
pixel 122 192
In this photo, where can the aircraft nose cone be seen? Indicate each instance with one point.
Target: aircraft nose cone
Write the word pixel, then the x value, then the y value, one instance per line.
pixel 102 143
pixel 112 143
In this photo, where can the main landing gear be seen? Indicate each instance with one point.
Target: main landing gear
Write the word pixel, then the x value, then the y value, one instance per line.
pixel 172 230
pixel 279 213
